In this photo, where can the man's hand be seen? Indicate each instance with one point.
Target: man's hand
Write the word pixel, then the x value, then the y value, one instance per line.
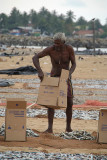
pixel 41 76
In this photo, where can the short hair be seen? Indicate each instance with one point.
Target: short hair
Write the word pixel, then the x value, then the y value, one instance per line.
pixel 60 36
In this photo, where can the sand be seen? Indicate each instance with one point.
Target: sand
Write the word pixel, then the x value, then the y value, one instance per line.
pixel 88 67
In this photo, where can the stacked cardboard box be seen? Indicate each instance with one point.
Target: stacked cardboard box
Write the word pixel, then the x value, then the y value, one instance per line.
pixel 53 91
pixel 102 126
pixel 15 120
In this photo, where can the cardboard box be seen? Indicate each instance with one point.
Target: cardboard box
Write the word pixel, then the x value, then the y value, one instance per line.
pixel 53 91
pixel 102 126
pixel 15 120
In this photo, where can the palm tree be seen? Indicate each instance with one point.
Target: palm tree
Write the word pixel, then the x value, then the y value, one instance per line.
pixel 14 18
pixel 43 19
pixel 69 25
pixel 34 18
pixel 70 16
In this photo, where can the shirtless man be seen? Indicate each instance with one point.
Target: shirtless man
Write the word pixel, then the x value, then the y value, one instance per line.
pixel 61 55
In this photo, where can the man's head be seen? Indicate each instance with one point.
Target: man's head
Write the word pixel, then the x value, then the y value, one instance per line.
pixel 59 36
pixel 59 40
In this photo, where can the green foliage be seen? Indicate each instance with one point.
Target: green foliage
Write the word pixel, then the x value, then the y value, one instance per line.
pixel 3 21
pixel 14 19
pixel 81 21
pixel 48 22
pixel 104 35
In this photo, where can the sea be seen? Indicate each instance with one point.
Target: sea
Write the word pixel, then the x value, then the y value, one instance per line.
pixel 81 50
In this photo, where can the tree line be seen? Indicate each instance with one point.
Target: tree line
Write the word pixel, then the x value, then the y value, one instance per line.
pixel 49 22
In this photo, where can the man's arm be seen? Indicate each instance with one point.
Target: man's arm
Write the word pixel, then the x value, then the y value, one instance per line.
pixel 37 63
pixel 73 61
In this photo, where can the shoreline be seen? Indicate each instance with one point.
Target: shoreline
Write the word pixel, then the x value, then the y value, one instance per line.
pixel 21 50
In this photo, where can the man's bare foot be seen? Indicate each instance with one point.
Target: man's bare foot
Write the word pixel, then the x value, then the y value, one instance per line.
pixel 48 131
pixel 69 130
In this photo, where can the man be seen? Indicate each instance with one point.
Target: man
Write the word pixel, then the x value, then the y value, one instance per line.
pixel 61 55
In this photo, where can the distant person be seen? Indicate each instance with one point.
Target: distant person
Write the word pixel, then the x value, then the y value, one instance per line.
pixel 61 55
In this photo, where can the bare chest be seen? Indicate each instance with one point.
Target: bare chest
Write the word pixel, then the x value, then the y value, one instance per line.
pixel 60 57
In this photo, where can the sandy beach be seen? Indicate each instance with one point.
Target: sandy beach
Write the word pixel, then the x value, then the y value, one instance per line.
pixel 89 68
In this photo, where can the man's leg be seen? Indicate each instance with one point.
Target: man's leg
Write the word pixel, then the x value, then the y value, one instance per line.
pixel 69 114
pixel 50 120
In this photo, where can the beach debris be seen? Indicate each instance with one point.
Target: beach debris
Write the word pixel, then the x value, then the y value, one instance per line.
pixel 79 135
pixel 77 114
pixel 35 80
pixel 27 70
pixel 36 112
pixel 29 132
pixel 1 60
pixel 80 58
pixel 49 156
pixel 6 83
pixel 17 63
pixel 2 130
pixel 81 114
pixel 31 105
pixel 5 54
pixel 22 59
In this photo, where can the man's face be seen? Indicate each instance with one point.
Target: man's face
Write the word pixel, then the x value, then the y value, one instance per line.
pixel 58 44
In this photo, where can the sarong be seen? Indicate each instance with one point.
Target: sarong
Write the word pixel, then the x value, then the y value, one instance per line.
pixel 70 89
